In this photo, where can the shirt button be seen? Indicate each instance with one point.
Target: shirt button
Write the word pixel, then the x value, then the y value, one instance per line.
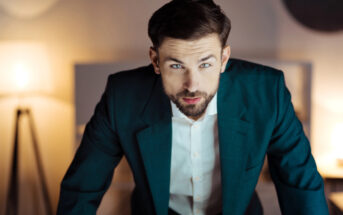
pixel 197 211
pixel 195 154
pixel 197 178
pixel 197 198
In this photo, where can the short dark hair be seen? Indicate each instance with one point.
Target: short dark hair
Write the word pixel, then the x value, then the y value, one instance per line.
pixel 188 20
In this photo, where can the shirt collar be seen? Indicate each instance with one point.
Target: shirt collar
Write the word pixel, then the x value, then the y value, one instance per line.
pixel 210 110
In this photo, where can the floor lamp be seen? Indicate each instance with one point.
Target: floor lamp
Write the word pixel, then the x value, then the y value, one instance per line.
pixel 12 194
pixel 23 73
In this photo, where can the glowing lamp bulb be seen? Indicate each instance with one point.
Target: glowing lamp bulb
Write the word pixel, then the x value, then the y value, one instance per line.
pixel 21 75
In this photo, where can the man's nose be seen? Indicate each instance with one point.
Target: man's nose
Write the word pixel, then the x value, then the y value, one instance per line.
pixel 192 81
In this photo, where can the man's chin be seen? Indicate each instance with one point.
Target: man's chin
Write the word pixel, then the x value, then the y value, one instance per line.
pixel 192 110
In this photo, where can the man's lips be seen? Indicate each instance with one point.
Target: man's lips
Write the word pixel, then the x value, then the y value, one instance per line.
pixel 191 100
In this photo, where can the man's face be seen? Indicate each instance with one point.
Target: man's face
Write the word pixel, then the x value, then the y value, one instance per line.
pixel 190 71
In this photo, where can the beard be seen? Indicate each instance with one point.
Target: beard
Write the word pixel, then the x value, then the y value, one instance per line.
pixel 192 110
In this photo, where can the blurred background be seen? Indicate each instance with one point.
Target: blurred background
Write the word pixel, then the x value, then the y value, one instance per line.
pixel 70 46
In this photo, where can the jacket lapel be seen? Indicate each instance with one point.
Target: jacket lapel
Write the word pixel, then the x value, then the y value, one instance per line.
pixel 155 146
pixel 233 128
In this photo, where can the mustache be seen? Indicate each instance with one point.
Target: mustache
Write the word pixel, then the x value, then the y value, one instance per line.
pixel 186 93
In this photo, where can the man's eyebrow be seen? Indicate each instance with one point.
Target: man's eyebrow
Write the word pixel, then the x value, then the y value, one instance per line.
pixel 201 60
pixel 173 59
pixel 207 57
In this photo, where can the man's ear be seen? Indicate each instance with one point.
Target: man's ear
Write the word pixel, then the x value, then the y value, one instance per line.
pixel 154 60
pixel 226 52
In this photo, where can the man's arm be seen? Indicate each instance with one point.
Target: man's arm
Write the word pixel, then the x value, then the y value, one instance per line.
pixel 299 186
pixel 91 170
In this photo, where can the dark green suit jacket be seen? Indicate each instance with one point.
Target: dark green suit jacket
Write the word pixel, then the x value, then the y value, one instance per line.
pixel 255 118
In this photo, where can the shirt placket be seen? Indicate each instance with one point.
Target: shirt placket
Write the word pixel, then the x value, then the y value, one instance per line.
pixel 197 168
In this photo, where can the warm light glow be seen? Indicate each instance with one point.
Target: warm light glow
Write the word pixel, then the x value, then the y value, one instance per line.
pixel 21 75
pixel 24 69
pixel 337 140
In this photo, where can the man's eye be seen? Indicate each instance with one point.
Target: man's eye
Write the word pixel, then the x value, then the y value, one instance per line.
pixel 176 66
pixel 205 65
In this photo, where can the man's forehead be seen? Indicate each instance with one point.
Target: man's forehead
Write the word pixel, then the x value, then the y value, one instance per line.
pixel 208 47
pixel 208 41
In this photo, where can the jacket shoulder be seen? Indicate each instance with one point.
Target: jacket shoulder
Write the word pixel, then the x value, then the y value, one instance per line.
pixel 133 82
pixel 136 75
pixel 130 90
pixel 251 70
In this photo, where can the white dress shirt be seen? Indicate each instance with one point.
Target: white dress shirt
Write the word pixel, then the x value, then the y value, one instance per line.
pixel 195 182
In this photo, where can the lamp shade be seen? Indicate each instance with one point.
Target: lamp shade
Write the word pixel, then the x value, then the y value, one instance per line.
pixel 24 69
pixel 26 8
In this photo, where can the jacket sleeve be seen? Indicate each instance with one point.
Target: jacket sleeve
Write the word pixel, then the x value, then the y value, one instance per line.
pixel 91 171
pixel 299 186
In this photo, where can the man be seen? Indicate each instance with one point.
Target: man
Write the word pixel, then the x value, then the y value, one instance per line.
pixel 195 128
